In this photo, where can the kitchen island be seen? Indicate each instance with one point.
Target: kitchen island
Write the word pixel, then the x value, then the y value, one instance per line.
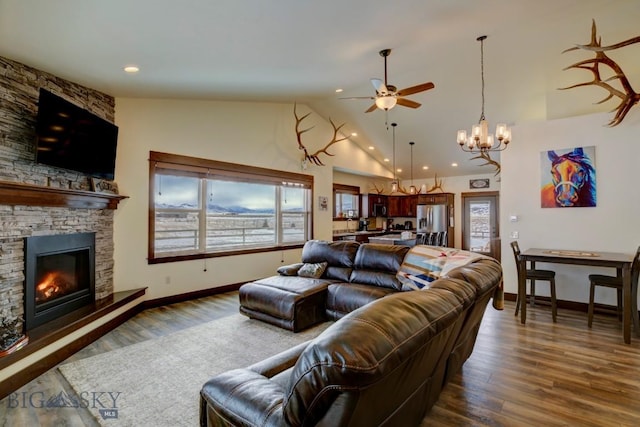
pixel 394 239
pixel 359 236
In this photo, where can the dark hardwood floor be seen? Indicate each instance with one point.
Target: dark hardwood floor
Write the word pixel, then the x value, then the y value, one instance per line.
pixel 561 374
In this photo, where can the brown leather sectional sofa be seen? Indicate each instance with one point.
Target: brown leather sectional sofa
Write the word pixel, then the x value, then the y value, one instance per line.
pixel 355 275
pixel 383 362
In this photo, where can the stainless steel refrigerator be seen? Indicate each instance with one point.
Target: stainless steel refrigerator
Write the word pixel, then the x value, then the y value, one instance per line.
pixel 432 218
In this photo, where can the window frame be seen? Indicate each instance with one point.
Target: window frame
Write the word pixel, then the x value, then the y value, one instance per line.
pixel 345 189
pixel 208 169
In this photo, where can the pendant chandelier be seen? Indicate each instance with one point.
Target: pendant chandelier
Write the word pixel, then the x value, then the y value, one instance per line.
pixel 480 140
pixel 394 183
pixel 412 188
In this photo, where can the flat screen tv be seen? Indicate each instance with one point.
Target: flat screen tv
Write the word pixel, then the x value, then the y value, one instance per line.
pixel 73 138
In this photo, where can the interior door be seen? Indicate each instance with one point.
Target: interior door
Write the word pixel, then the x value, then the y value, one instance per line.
pixel 480 226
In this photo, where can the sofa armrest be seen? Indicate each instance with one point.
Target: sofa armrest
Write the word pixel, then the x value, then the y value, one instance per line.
pixel 241 397
pixel 248 395
pixel 280 362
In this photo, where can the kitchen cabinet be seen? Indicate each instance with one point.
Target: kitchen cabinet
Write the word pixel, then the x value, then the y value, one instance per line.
pixel 408 205
pixel 435 199
pixel 402 206
pixel 394 203
pixel 377 205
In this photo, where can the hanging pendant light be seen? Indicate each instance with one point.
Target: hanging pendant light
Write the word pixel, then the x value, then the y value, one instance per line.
pixel 394 183
pixel 412 188
pixel 479 139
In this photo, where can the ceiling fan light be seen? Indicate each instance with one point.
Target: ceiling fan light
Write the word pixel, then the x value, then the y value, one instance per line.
pixel 386 102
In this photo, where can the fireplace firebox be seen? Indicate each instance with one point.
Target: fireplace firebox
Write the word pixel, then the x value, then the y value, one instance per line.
pixel 59 276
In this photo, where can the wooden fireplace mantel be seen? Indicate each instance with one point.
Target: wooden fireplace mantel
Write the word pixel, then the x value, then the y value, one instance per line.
pixel 15 193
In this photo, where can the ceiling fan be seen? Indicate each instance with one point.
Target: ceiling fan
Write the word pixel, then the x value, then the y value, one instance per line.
pixel 387 96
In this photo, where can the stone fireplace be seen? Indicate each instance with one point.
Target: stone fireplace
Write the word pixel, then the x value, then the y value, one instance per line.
pixel 59 276
pixel 39 200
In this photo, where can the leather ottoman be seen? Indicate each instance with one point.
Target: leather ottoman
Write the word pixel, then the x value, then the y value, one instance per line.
pixel 290 302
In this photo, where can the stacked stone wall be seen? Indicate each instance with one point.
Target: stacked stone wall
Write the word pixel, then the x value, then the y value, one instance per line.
pixel 19 91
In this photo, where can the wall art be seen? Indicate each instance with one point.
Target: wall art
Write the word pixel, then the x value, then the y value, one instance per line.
pixel 568 178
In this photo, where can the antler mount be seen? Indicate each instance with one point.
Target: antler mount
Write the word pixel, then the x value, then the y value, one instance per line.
pixel 628 97
pixel 315 157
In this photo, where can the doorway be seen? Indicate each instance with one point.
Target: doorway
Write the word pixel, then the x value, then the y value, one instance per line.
pixel 480 225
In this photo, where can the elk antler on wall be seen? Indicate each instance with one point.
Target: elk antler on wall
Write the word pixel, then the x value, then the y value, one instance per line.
pixel 315 156
pixel 489 161
pixel 628 96
pixel 436 186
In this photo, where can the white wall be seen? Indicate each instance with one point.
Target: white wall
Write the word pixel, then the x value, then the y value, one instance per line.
pixel 610 226
pixel 255 134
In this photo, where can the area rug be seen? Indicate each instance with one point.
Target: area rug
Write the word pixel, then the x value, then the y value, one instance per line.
pixel 157 382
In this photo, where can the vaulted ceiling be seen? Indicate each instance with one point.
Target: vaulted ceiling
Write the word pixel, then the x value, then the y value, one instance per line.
pixel 293 50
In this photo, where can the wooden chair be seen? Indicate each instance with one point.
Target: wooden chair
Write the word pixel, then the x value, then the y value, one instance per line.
pixel 614 282
pixel 532 275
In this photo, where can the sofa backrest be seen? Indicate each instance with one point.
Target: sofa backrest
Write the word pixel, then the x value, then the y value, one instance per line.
pixel 485 275
pixel 339 255
pixel 377 265
pixel 375 366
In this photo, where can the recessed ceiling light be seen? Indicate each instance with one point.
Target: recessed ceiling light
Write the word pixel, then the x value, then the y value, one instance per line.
pixel 338 90
pixel 398 170
pixel 454 164
pixel 354 133
pixel 131 69
pixel 386 160
pixel 425 167
pixel 371 147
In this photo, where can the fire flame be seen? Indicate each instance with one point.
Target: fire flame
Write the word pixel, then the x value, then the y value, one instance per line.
pixel 50 286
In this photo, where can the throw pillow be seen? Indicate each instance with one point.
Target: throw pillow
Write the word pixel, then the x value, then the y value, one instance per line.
pixel 314 270
pixel 289 270
pixel 424 264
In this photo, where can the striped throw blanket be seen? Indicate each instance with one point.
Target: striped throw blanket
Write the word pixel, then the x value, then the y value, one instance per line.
pixel 424 264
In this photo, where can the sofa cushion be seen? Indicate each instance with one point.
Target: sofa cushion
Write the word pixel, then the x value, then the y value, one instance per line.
pixel 343 298
pixel 425 264
pixel 314 270
pixel 377 265
pixel 339 256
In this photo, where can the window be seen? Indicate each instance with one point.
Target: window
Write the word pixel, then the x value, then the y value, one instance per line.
pixel 203 208
pixel 346 201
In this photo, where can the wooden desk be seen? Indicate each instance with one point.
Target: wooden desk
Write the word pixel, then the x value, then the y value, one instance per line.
pixel 620 261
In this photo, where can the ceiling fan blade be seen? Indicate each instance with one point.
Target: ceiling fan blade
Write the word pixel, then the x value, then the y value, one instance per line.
pixel 415 89
pixel 359 97
pixel 379 86
pixel 407 102
pixel 374 107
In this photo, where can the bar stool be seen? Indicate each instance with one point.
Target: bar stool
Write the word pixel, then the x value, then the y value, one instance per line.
pixel 532 275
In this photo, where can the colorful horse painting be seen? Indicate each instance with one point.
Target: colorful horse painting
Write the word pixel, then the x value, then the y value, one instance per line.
pixel 573 181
